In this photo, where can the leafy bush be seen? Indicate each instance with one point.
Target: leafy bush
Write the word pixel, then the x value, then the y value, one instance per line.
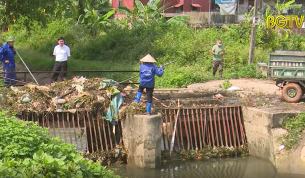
pixel 226 84
pixel 295 127
pixel 27 151
pixel 241 71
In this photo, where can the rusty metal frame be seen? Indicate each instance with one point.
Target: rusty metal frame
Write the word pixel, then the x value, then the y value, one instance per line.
pixel 197 128
pixel 207 126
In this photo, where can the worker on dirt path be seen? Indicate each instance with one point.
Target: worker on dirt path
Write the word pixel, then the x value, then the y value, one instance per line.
pixel 218 51
pixel 147 79
pixel 7 57
pixel 61 53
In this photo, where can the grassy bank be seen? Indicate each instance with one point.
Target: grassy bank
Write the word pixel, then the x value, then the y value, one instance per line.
pixel 174 76
pixel 41 61
pixel 119 48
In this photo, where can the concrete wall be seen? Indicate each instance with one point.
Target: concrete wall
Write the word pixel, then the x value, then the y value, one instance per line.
pixel 217 18
pixel 198 17
pixel 263 133
pixel 263 68
pixel 142 140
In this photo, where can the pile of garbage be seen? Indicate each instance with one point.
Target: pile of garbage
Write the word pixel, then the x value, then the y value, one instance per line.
pixel 72 95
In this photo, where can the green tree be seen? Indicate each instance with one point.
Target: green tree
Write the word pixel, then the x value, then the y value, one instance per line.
pixel 33 9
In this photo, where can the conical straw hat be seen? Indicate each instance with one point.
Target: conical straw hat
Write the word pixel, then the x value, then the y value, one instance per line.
pixel 10 39
pixel 148 58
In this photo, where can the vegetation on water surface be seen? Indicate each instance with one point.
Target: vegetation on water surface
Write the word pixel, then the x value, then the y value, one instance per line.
pixel 206 153
pixel 27 151
pixel 295 127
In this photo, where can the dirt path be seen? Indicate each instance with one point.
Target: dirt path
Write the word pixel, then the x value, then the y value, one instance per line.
pixel 253 86
pixel 258 93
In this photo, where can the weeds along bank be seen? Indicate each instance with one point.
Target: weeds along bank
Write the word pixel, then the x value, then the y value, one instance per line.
pixel 28 151
pixel 117 47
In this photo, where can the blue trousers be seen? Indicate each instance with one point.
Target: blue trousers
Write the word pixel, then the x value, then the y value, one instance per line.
pixel 11 76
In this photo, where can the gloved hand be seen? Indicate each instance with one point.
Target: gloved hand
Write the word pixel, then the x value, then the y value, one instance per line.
pixel 216 54
pixel 161 67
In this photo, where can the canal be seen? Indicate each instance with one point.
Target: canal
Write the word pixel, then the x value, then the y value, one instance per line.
pixel 245 167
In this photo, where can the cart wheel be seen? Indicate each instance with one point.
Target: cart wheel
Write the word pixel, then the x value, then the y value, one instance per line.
pixel 292 92
pixel 303 91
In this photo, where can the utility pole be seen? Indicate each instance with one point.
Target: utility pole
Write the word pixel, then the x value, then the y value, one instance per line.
pixel 253 34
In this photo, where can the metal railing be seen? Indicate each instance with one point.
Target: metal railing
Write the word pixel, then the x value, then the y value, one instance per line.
pixel 88 72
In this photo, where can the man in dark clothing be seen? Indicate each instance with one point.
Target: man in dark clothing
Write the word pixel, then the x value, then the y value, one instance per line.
pixel 7 57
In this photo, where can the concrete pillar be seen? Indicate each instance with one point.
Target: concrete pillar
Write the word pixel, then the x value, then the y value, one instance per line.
pixel 264 138
pixel 142 140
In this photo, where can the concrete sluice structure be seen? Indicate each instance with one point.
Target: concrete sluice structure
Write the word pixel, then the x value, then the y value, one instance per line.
pixel 144 137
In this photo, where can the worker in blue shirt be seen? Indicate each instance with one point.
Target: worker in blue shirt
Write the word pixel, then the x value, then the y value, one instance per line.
pixel 7 57
pixel 147 79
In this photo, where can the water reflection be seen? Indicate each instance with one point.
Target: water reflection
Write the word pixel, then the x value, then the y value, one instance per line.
pixel 248 167
pixel 78 140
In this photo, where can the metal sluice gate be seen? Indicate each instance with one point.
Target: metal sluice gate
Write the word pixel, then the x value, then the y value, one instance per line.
pixel 196 128
pixel 205 126
pixel 85 129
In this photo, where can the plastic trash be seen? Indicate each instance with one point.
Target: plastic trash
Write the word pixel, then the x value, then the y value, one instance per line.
pixel 25 98
pixel 79 79
pixel 118 151
pixel 15 89
pixel 281 147
pixel 234 88
pixel 219 96
pixel 100 98
pixel 61 101
pixel 79 87
pixel 243 95
pixel 35 104
pixel 108 83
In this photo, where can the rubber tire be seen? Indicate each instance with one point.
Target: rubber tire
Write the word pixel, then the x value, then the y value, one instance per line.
pixel 298 95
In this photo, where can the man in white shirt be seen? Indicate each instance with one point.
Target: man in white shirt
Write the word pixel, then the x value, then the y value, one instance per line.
pixel 61 53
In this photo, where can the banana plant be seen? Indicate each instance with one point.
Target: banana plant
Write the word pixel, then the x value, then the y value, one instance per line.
pixel 282 6
pixel 93 18
pixel 178 20
pixel 144 13
pixel 249 15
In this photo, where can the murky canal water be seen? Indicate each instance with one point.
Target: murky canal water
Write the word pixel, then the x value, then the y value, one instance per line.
pixel 247 167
